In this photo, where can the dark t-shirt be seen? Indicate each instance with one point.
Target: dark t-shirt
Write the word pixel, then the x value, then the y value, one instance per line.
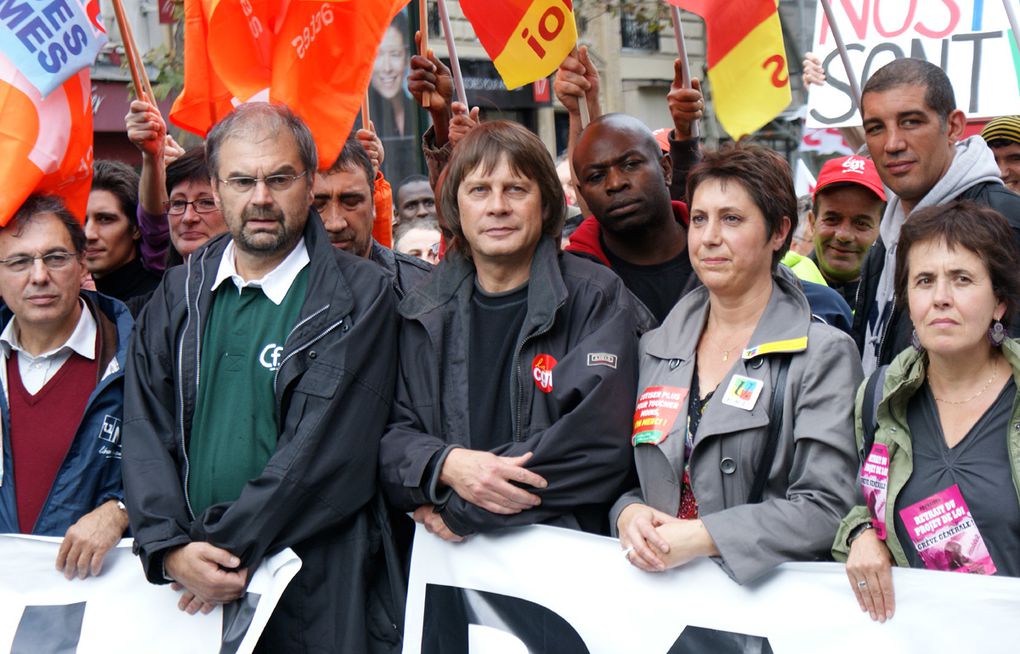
pixel 979 465
pixel 659 285
pixel 496 321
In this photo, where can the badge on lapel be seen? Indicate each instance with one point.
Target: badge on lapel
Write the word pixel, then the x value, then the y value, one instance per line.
pixel 656 411
pixel 743 392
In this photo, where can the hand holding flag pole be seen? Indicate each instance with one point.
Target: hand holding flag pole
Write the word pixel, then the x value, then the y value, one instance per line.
pixel 681 48
pixel 143 90
pixel 844 56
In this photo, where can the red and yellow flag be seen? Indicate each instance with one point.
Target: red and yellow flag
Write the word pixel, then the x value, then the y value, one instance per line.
pixel 314 56
pixel 526 39
pixel 746 61
pixel 45 143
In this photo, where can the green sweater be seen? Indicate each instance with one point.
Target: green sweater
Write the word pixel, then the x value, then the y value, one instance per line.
pixel 234 431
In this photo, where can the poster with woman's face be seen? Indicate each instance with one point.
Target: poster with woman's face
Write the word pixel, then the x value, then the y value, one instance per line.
pixel 394 113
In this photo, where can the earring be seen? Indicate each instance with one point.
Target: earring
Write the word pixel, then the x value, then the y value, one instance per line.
pixel 997 334
pixel 915 342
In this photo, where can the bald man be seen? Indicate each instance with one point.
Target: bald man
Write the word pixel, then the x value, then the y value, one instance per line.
pixel 635 228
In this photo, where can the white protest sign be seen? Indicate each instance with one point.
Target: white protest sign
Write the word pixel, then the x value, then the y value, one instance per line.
pixel 120 611
pixel 969 39
pixel 543 589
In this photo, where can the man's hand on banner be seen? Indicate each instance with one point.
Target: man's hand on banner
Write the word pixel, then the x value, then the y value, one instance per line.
pixel 483 479
pixel 434 523
pixel 685 105
pixel 146 129
pixel 462 123
pixel 87 541
pixel 207 573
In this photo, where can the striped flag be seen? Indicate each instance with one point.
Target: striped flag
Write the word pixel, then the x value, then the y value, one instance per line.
pixel 526 39
pixel 746 61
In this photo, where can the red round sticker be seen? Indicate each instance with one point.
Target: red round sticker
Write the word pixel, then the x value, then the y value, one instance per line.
pixel 541 372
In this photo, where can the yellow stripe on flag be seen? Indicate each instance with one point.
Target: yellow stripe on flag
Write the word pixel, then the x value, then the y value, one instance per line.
pixel 751 84
pixel 539 44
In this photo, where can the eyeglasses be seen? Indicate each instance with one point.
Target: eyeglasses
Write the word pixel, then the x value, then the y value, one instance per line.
pixel 178 207
pixel 273 182
pixel 52 260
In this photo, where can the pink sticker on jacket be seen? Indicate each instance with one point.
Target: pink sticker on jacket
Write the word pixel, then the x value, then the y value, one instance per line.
pixel 875 486
pixel 945 534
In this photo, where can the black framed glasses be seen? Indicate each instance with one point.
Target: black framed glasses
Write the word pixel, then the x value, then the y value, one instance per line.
pixel 52 260
pixel 178 206
pixel 246 184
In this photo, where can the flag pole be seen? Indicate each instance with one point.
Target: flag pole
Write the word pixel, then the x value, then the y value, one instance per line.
pixel 365 115
pixel 423 29
pixel 143 90
pixel 681 48
pixel 1011 15
pixel 451 48
pixel 855 85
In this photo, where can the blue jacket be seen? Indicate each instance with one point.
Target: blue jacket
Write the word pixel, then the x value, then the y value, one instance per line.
pixel 90 473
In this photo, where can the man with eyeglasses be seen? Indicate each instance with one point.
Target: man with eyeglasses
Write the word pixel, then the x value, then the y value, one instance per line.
pixel 342 195
pixel 259 382
pixel 63 352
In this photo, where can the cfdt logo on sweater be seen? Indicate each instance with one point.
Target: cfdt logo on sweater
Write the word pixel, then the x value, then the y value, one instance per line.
pixel 541 371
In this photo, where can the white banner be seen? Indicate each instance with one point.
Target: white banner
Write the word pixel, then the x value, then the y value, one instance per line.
pixel 120 611
pixel 543 589
pixel 969 39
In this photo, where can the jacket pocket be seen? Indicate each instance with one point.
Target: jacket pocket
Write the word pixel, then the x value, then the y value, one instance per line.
pixel 320 380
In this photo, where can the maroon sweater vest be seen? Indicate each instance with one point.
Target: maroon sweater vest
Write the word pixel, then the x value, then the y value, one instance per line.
pixel 42 429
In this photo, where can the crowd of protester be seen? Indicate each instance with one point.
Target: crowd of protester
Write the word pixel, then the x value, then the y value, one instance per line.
pixel 245 349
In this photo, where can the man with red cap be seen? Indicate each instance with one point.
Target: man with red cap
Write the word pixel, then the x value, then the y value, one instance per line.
pixel 845 213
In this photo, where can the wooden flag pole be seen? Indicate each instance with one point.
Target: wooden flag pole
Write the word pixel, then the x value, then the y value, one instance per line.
pixel 1011 15
pixel 423 29
pixel 143 90
pixel 855 85
pixel 681 48
pixel 451 48
pixel 366 117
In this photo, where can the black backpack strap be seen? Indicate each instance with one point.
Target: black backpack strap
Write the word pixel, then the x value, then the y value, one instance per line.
pixel 761 473
pixel 869 408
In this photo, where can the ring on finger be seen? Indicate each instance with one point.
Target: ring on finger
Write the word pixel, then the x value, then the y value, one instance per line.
pixel 862 584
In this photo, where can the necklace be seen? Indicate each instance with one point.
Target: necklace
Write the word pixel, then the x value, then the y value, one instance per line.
pixel 726 353
pixel 995 369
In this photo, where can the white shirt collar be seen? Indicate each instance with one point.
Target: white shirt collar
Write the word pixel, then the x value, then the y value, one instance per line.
pixel 82 340
pixel 276 282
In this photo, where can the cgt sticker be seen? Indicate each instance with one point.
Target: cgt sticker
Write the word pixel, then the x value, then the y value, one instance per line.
pixel 541 371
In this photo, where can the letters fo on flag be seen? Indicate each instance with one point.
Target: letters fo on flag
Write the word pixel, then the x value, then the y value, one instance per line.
pixel 315 57
pixel 526 39
pixel 746 61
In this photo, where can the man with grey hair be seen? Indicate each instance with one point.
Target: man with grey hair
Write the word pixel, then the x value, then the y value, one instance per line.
pixel 257 388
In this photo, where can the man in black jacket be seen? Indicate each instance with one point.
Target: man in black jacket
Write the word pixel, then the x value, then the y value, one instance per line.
pixel 342 195
pixel 257 388
pixel 913 131
pixel 516 361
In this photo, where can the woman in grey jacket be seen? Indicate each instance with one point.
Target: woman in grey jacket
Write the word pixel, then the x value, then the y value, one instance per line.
pixel 736 364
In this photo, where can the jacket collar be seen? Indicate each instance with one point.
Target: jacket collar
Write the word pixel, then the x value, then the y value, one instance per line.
pixel 454 277
pixel 326 283
pixel 783 326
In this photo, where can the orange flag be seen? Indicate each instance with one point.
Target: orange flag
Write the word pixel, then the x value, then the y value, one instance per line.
pixel 746 61
pixel 526 39
pixel 315 57
pixel 45 143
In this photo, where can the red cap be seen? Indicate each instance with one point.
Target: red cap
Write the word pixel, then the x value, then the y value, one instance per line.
pixel 850 170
